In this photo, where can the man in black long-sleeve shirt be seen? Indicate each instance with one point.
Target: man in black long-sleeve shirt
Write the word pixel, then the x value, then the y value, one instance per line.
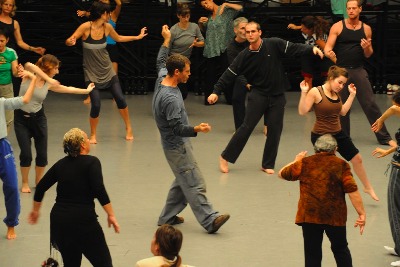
pixel 262 65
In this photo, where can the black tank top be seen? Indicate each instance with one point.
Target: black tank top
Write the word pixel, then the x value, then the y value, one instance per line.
pixel 348 48
pixel 9 29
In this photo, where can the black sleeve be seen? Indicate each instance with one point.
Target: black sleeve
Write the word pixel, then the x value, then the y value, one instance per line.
pixel 229 76
pixel 48 180
pixel 96 182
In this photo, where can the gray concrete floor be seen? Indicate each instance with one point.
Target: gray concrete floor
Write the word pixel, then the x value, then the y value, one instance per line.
pixel 261 231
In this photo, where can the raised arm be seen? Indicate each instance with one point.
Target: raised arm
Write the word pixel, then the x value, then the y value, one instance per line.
pixel 27 75
pixel 357 202
pixel 124 38
pixel 115 13
pixel 307 98
pixel 366 43
pixel 164 50
pixel 22 44
pixel 347 105
pixel 236 7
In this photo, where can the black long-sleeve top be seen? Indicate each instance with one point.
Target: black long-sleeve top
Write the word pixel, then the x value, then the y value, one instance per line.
pixel 80 181
pixel 263 68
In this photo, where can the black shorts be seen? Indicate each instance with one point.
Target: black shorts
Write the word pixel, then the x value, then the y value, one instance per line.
pixel 346 148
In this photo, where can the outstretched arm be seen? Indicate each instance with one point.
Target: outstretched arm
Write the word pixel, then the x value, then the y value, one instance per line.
pixel 378 124
pixel 77 34
pixel 123 38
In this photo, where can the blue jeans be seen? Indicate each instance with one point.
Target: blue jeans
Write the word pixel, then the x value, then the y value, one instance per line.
pixel 8 174
pixel 188 187
pixel 394 206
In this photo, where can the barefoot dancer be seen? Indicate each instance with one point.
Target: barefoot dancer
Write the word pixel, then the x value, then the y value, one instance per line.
pixel 31 122
pixel 8 171
pixel 97 65
pixel 328 107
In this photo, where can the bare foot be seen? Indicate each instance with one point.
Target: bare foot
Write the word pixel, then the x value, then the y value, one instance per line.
pixel 371 192
pixel 129 134
pixel 223 165
pixel 268 171
pixel 87 100
pixel 92 139
pixel 25 188
pixel 11 233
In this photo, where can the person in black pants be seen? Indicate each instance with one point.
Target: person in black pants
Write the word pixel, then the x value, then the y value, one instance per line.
pixel 262 65
pixel 348 44
pixel 74 229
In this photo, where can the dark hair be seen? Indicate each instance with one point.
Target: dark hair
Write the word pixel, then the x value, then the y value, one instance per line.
pixel 318 24
pixel 97 9
pixel 176 61
pixel 169 240
pixel 5 32
pixel 182 9
pixel 72 142
pixel 396 97
pixel 336 71
pixel 48 62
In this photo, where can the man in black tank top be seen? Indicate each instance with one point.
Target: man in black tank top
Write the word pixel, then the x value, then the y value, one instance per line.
pixel 349 42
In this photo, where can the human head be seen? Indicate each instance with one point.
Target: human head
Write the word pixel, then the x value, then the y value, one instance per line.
pixel 179 66
pixel 4 37
pixel 76 142
pixel 253 32
pixel 353 8
pixel 49 64
pixel 167 242
pixel 98 9
pixel 8 4
pixel 207 4
pixel 325 143
pixel 239 27
pixel 307 25
pixel 396 98
pixel 337 78
pixel 182 10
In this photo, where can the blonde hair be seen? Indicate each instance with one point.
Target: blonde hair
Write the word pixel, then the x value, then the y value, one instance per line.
pixel 72 142
pixel 12 14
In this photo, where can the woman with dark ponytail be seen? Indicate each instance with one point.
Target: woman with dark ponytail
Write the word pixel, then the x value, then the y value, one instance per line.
pixel 165 246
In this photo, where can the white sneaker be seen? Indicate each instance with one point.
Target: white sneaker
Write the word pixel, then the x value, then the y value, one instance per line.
pixel 395 263
pixel 391 251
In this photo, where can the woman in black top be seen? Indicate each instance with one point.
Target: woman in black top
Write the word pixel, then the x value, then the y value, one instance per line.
pixel 73 221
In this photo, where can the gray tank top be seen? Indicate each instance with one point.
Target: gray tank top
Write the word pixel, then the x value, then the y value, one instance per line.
pixel 97 66
pixel 39 95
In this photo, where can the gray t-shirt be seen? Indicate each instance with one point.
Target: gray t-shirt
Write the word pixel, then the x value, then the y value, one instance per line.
pixel 39 95
pixel 169 110
pixel 181 39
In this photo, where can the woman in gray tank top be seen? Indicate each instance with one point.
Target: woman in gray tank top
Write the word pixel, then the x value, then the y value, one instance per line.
pixel 97 65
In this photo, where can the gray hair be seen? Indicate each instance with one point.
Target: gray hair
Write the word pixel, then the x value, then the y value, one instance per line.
pixel 72 142
pixel 325 143
pixel 239 20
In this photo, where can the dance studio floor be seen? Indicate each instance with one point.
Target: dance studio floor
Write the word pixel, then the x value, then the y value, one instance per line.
pixel 261 231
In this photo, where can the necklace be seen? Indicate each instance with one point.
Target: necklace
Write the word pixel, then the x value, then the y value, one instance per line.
pixel 353 25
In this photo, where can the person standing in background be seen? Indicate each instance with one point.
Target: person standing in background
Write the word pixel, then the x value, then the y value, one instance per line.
pixel 348 44
pixel 219 33
pixel 184 36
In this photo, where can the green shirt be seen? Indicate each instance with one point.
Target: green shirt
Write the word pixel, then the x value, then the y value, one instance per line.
pixel 6 58
pixel 219 32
